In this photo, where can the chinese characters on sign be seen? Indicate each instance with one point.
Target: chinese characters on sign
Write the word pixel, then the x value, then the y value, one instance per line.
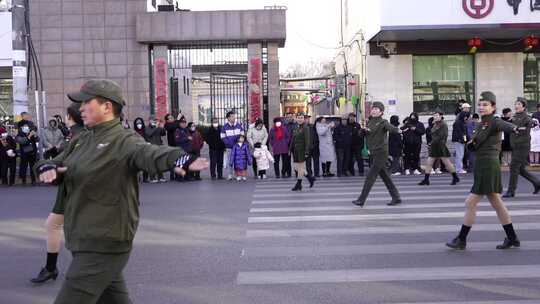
pixel 160 73
pixel 255 89
pixel 479 9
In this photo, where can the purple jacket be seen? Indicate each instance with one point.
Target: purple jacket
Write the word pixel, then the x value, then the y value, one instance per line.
pixel 229 134
pixel 240 157
pixel 279 146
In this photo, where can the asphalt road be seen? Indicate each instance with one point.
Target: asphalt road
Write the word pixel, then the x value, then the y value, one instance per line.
pixel 256 242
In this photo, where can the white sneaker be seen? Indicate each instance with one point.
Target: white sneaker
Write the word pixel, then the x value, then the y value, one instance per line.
pixel 229 177
pixel 397 174
pixel 462 172
pixel 407 172
pixel 433 172
pixel 264 176
pixel 416 172
pixel 153 181
pixel 244 178
pixel 438 171
pixel 238 178
pixel 162 180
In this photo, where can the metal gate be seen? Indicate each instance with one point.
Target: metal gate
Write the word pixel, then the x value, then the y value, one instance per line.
pixel 229 92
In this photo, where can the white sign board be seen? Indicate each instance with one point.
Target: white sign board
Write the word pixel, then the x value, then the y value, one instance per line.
pixel 5 39
pixel 458 12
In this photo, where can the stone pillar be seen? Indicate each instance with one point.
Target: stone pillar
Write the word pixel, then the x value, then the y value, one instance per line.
pixel 161 81
pixel 501 73
pixel 255 101
pixel 274 107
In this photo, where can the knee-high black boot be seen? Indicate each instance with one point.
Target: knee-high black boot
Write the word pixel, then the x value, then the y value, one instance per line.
pixel 298 186
pixel 425 182
pixel 455 179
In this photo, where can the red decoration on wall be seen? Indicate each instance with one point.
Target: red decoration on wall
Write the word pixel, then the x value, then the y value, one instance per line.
pixel 161 84
pixel 255 74
pixel 531 42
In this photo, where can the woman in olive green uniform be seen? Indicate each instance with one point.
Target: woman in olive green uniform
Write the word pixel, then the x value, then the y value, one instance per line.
pixel 55 220
pixel 486 143
pixel 438 149
pixel 300 146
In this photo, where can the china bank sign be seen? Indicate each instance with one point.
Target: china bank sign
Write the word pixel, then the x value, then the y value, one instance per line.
pixel 479 9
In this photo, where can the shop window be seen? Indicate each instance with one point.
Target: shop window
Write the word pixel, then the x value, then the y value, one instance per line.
pixel 6 97
pixel 531 80
pixel 439 82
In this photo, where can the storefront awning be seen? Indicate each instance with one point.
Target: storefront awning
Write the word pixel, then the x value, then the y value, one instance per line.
pixel 456 32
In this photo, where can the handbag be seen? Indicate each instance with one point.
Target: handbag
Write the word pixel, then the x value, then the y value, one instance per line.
pixel 365 151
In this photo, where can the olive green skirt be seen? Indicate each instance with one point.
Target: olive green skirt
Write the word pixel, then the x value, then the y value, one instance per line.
pixel 487 177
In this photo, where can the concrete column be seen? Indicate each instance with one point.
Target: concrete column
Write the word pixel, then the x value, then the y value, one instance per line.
pixel 274 107
pixel 391 79
pixel 501 73
pixel 161 81
pixel 255 104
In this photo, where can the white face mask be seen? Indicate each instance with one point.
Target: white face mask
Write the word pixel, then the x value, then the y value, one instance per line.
pixel 278 124
pixel 139 126
pixel 193 128
pixel 26 129
pixel 215 125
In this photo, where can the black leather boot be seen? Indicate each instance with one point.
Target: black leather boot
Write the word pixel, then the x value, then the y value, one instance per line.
pixel 394 202
pixel 457 244
pixel 45 275
pixel 509 194
pixel 536 189
pixel 455 179
pixel 298 186
pixel 359 202
pixel 311 180
pixel 425 182
pixel 508 243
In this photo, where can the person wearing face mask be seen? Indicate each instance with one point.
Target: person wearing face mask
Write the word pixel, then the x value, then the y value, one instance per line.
pixel 290 124
pixel 8 159
pixel 299 148
pixel 52 140
pixel 279 139
pixel 217 148
pixel 27 140
pixel 197 143
pixel 139 126
pixel 413 130
pixel 183 140
pixel 257 134
pixel 153 134
pixel 326 145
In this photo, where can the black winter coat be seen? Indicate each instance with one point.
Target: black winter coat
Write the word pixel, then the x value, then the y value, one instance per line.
pixel 171 127
pixel 343 136
pixel 413 138
pixel 213 139
pixel 459 129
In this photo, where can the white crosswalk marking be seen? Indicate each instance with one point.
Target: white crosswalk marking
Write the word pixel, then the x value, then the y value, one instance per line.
pixel 306 234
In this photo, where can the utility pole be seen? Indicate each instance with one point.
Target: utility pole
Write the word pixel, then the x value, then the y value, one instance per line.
pixel 20 64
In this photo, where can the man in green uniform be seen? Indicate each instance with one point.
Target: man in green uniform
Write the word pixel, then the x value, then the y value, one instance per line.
pixel 300 147
pixel 99 170
pixel 377 138
pixel 521 146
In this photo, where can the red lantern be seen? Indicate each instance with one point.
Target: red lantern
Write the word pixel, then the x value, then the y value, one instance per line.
pixel 531 42
pixel 474 44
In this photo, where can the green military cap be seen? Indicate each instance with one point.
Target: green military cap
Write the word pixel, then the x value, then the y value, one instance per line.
pixel 379 105
pixel 522 100
pixel 98 88
pixel 488 96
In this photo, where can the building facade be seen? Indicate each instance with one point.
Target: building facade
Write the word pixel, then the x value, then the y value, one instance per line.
pixel 422 55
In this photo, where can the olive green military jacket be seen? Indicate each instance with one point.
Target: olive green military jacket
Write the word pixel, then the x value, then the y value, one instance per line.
pixel 300 143
pixel 377 136
pixel 102 188
pixel 487 137
pixel 439 137
pixel 522 139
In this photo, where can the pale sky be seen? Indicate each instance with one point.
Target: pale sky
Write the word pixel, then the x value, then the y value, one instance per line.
pixel 310 23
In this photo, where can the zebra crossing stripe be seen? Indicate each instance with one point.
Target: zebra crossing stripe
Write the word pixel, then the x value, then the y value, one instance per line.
pixel 397 230
pixel 338 193
pixel 349 207
pixel 389 274
pixel 385 216
pixel 354 250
